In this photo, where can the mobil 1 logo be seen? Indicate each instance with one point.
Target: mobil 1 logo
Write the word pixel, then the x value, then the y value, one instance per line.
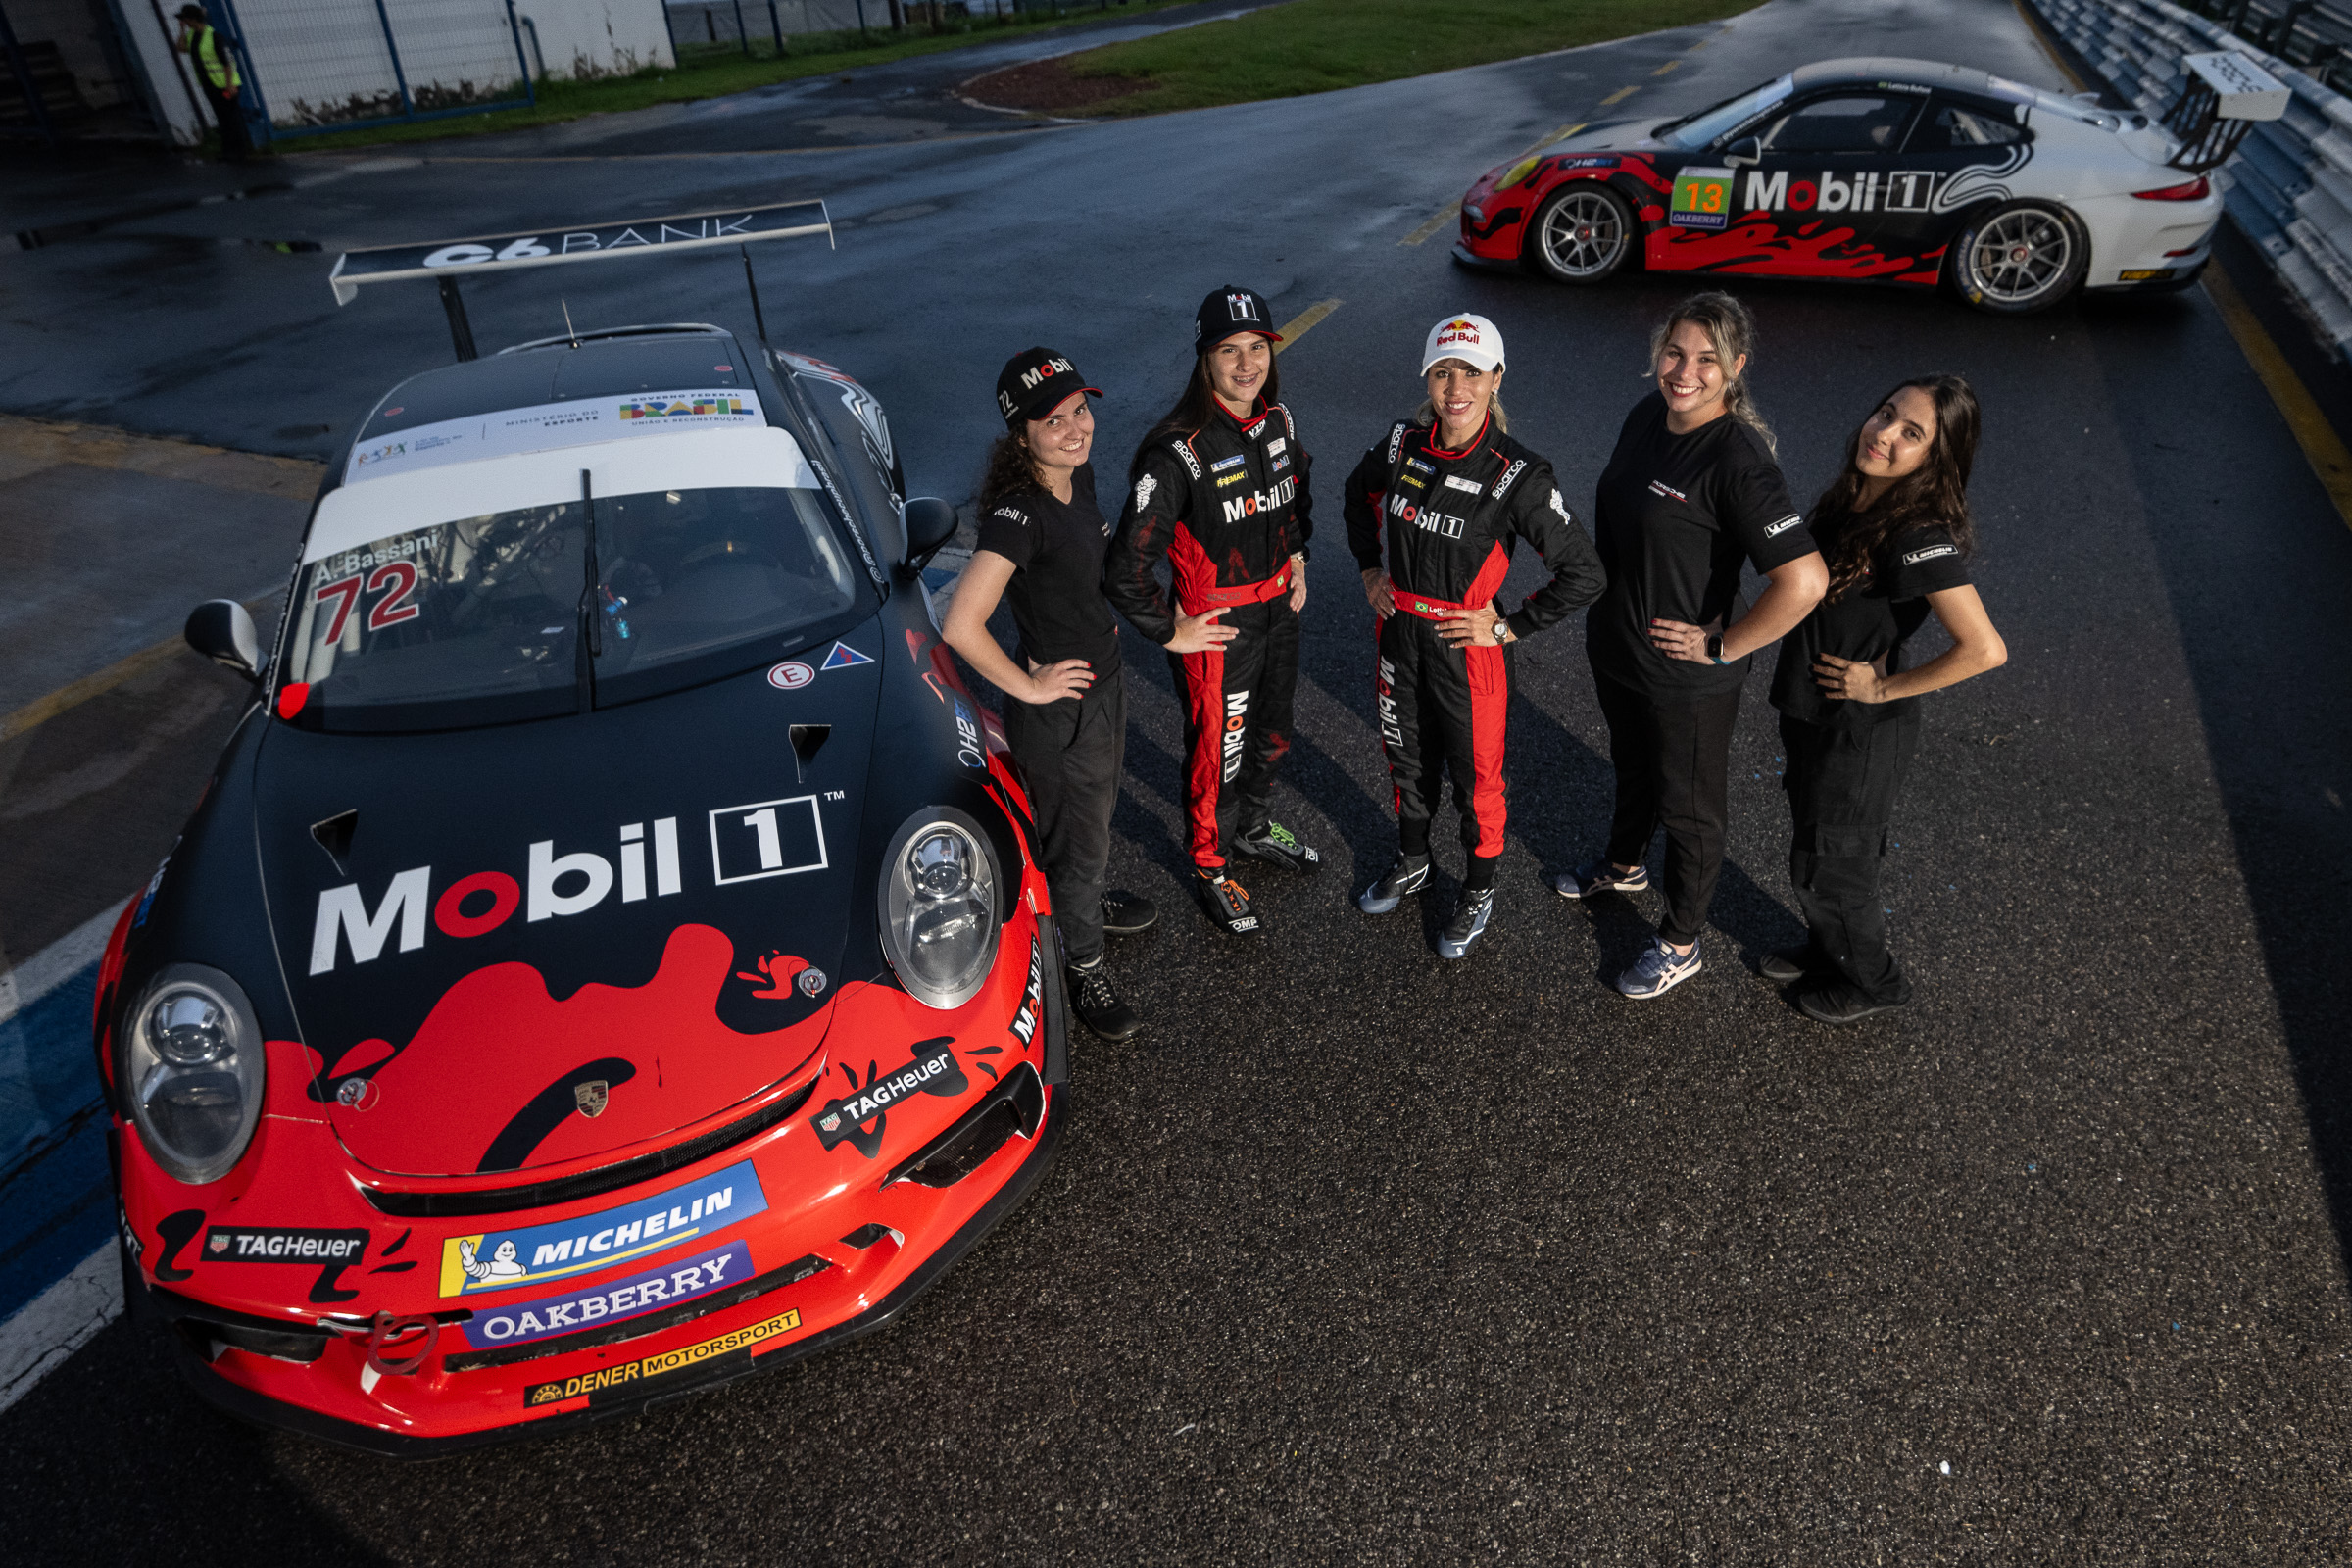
pixel 767 838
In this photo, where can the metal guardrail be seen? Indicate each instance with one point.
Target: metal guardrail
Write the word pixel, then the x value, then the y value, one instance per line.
pixel 2289 187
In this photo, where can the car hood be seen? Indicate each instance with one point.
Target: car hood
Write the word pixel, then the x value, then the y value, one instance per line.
pixel 532 944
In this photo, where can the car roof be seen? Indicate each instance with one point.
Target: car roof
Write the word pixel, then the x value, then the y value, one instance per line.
pixel 558 370
pixel 1877 68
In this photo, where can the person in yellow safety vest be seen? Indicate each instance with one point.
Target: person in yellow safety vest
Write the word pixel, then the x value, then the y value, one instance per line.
pixel 216 64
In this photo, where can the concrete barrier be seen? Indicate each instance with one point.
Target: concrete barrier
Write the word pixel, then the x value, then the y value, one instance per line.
pixel 2289 187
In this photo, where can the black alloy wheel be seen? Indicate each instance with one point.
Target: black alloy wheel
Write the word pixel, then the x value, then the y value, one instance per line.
pixel 2020 258
pixel 1583 233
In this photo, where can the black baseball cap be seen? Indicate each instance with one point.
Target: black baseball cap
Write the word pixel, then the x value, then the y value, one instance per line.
pixel 1230 310
pixel 1035 382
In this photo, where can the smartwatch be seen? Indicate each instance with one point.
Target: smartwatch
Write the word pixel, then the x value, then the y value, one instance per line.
pixel 1715 648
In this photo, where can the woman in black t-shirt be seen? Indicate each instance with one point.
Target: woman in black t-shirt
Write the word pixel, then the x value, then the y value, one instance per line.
pixel 1041 545
pixel 1895 531
pixel 1689 496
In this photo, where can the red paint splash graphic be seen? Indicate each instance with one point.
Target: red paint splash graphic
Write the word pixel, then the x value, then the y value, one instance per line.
pixel 1755 244
pixel 777 972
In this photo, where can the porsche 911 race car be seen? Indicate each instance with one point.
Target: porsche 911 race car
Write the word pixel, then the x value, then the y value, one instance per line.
pixel 1889 170
pixel 607 957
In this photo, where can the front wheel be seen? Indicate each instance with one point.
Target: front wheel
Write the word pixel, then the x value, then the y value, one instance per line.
pixel 1583 233
pixel 2019 259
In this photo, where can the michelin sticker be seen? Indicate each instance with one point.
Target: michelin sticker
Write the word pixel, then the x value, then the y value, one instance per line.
pixel 497 1259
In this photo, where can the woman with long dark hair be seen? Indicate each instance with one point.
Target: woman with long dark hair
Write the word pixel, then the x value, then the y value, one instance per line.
pixel 1691 495
pixel 1895 532
pixel 1454 493
pixel 1221 494
pixel 1065 713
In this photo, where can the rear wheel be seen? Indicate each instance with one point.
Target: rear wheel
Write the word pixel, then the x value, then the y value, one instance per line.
pixel 1583 233
pixel 2019 259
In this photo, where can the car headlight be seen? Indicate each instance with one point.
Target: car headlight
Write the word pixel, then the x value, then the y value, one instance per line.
pixel 194 1061
pixel 1517 173
pixel 939 907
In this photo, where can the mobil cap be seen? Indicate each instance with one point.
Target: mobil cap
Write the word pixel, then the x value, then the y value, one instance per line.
pixel 1035 382
pixel 1228 310
pixel 1472 339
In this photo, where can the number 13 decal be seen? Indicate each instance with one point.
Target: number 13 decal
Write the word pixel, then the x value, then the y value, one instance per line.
pixel 393 608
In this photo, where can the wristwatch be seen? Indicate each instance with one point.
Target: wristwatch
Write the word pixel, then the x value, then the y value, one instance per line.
pixel 1503 632
pixel 1715 648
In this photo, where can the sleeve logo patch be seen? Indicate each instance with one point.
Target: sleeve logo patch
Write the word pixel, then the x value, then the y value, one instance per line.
pixel 1143 491
pixel 1932 553
pixel 1783 526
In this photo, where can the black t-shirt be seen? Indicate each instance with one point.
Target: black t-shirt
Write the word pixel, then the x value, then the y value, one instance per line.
pixel 1057 590
pixel 1676 517
pixel 1870 624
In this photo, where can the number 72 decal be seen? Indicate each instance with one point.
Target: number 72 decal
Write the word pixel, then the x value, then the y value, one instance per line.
pixel 394 581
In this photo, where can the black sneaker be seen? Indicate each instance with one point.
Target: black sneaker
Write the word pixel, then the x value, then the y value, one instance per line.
pixel 1787 966
pixel 1836 1002
pixel 1275 843
pixel 1096 1001
pixel 1598 877
pixel 1407 875
pixel 1227 903
pixel 1124 914
pixel 1469 924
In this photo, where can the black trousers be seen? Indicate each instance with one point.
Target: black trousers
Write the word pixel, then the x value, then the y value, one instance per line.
pixel 1842 784
pixel 1672 761
pixel 235 145
pixel 1237 725
pixel 1071 752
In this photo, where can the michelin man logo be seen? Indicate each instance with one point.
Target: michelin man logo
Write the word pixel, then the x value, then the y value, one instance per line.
pixel 504 1264
pixel 1561 506
pixel 1143 491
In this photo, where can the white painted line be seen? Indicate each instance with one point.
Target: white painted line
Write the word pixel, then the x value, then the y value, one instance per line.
pixel 29 982
pixel 62 1319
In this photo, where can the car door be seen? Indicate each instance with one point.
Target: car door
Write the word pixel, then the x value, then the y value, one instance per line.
pixel 1825 159
pixel 1960 154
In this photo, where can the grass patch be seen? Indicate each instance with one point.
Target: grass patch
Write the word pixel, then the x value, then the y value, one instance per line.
pixel 1312 46
pixel 714 71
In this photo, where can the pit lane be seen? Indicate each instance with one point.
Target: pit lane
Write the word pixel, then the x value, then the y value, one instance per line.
pixel 1362 1257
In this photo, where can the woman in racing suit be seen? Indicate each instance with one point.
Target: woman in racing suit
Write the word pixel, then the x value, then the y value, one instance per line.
pixel 1220 493
pixel 1456 493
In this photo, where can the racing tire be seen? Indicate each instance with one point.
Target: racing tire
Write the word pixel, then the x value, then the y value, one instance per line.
pixel 2020 258
pixel 1583 233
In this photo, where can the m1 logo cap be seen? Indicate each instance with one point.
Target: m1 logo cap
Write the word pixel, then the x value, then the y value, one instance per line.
pixel 1229 311
pixel 1035 382
pixel 1472 339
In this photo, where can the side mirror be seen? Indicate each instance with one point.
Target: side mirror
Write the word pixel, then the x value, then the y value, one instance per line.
pixel 930 525
pixel 1744 153
pixel 222 631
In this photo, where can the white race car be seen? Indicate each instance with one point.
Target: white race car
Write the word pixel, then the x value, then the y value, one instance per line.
pixel 1894 171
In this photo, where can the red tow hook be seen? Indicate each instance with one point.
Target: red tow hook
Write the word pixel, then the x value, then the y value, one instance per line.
pixel 390 1336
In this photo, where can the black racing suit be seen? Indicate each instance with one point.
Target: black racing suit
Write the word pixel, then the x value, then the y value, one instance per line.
pixel 1226 507
pixel 1452 520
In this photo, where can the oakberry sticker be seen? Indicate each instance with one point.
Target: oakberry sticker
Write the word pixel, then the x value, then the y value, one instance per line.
pixel 1702 198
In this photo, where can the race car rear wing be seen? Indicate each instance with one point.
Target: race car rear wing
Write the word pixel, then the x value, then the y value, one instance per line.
pixel 2221 97
pixel 448 259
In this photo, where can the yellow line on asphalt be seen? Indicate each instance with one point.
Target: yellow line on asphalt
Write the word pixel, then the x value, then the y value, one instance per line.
pixel 1559 135
pixel 1452 210
pixel 1298 327
pixel 73 694
pixel 2322 446
pixel 1620 95
pixel 1668 68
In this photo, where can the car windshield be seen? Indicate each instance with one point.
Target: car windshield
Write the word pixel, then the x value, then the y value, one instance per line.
pixel 1703 127
pixel 480 620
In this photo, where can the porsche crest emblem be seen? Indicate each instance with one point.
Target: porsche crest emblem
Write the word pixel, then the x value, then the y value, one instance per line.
pixel 591 1096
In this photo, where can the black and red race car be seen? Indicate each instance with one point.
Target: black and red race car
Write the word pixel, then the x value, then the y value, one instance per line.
pixel 607 957
pixel 1887 171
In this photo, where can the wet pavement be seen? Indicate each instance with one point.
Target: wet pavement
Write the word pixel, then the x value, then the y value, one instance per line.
pixel 1362 1257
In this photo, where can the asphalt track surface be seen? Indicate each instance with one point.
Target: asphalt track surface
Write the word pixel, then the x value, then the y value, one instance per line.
pixel 1360 1257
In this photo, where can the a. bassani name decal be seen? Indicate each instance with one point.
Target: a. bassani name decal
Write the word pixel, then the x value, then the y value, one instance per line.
pixel 749 843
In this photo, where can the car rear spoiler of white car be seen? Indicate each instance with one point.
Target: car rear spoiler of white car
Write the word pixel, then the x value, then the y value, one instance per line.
pixel 2222 98
pixel 448 259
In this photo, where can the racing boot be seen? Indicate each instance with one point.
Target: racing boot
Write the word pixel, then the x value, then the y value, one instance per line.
pixel 1127 914
pixel 1469 924
pixel 1407 875
pixel 1274 842
pixel 1227 903
pixel 1096 1001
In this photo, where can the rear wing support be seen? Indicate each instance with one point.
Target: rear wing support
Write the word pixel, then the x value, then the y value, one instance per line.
pixel 2223 96
pixel 447 260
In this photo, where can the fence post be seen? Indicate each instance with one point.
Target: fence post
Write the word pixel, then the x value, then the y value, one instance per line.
pixel 529 92
pixel 743 35
pixel 23 75
pixel 672 28
pixel 400 78
pixel 776 25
